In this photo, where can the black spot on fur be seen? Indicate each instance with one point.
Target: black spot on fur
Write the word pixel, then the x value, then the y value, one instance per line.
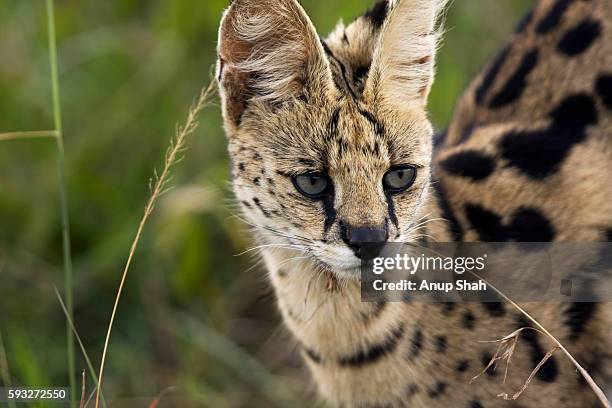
pixel 265 212
pixel 441 344
pixel 454 226
pixel 470 164
pixel 576 110
pixel 468 320
pixel 437 389
pixel 378 14
pixel 256 181
pixel 577 317
pixel 376 311
pixel 475 404
pixel 411 390
pixel 531 225
pixel 375 352
pixel 604 89
pixel 580 38
pixel 539 153
pixel 246 204
pixel 241 166
pixel 462 366
pixel 495 309
pixel 553 17
pixel 416 344
pixel 485 359
pixel 489 77
pixel 549 371
pixel 513 89
pixel 528 225
pixel 447 307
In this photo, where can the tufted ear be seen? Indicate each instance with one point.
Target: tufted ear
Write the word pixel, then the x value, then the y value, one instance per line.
pixel 268 51
pixel 403 64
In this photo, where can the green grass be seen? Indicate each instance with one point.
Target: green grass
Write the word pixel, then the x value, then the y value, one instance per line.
pixel 63 197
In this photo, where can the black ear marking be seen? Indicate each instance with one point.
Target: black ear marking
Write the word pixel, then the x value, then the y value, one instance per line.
pixel 378 14
pixel 580 38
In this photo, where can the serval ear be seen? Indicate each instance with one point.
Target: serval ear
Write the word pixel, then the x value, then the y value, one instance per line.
pixel 403 63
pixel 268 53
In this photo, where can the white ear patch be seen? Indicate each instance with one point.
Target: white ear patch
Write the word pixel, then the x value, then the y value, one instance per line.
pixel 403 65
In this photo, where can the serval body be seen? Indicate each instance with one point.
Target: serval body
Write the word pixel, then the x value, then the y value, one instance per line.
pixel 331 146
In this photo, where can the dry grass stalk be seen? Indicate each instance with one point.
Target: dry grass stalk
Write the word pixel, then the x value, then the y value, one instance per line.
pixel 82 404
pixel 157 400
pixel 159 184
pixel 528 381
pixel 80 342
pixel 558 346
pixel 505 351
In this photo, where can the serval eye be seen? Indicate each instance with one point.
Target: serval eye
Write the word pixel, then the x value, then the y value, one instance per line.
pixel 312 185
pixel 399 179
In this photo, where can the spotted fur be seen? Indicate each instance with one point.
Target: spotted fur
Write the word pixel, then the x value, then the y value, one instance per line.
pixel 527 157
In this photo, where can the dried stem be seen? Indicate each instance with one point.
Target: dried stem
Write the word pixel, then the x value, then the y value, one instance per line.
pixel 159 186
pixel 92 372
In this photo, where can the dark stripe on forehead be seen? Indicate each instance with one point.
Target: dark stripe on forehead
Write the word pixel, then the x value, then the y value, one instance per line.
pixel 333 123
pixel 378 127
pixel 333 58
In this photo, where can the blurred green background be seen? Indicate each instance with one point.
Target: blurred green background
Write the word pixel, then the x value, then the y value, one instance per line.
pixel 194 316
